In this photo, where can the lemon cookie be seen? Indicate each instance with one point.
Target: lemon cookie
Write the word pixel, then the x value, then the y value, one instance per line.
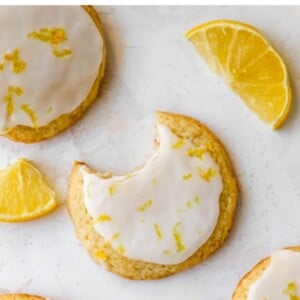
pixel 52 59
pixel 276 277
pixel 20 297
pixel 165 217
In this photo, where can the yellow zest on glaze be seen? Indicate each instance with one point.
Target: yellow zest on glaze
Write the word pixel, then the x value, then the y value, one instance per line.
pixel 197 200
pixel 154 181
pixel 121 249
pixel 187 176
pixel 101 255
pixel 178 239
pixel 49 109
pixel 61 53
pixel 178 144
pixel 53 36
pixel 158 231
pixel 291 290
pixel 167 252
pixel 103 218
pixel 112 188
pixel 115 236
pixel 16 89
pixel 18 65
pixel 144 206
pixel 179 210
pixel 8 98
pixel 30 112
pixel 207 174
pixel 196 152
pixel 189 204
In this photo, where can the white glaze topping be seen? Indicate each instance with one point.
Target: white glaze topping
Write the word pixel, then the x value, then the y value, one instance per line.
pixel 163 212
pixel 281 280
pixel 49 59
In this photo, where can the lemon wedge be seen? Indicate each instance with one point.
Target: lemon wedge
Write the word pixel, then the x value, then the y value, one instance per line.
pixel 249 64
pixel 24 194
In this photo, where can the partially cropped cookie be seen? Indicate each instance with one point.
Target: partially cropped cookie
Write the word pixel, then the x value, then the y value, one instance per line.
pixel 165 217
pixel 276 277
pixel 52 59
pixel 20 297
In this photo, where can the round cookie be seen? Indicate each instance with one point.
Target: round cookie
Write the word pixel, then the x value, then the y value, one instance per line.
pixel 256 273
pixel 102 251
pixel 50 70
pixel 20 297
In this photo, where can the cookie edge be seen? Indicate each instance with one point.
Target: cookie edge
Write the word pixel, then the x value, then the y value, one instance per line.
pixel 20 297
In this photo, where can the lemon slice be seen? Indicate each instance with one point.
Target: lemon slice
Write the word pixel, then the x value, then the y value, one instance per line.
pixel 24 194
pixel 247 62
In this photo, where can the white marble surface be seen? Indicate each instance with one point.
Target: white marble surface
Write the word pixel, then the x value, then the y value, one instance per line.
pixel 152 66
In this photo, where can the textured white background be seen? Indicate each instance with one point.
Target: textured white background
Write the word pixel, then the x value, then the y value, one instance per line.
pixel 152 66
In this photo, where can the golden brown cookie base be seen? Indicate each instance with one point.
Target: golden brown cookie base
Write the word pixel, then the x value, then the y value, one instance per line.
pixel 20 297
pixel 187 128
pixel 27 134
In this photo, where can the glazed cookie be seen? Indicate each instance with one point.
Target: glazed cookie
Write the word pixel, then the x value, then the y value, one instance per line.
pixel 20 297
pixel 52 60
pixel 165 217
pixel 276 277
